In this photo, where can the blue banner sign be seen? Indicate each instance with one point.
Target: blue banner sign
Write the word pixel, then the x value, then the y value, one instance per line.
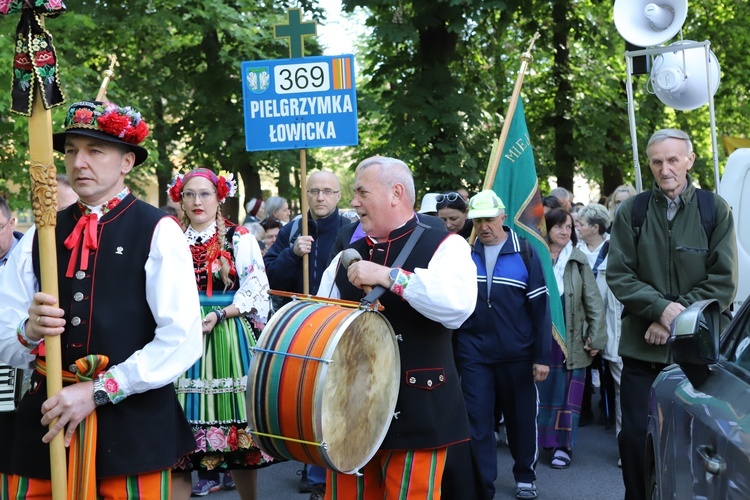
pixel 308 102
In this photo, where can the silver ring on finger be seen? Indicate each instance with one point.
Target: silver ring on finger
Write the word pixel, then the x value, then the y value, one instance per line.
pixel 38 320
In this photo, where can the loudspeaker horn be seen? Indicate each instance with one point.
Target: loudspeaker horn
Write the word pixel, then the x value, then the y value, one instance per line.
pixel 646 24
pixel 679 79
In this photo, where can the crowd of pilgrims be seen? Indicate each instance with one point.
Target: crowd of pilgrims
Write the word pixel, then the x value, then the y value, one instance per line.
pixel 575 233
pixel 230 274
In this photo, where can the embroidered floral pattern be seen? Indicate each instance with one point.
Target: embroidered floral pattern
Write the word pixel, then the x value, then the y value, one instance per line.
pixel 402 281
pixel 234 447
pixel 114 391
pixel 216 439
pixel 34 59
pixel 105 207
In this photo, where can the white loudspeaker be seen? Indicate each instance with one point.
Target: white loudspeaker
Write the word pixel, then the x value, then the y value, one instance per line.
pixel 647 23
pixel 679 79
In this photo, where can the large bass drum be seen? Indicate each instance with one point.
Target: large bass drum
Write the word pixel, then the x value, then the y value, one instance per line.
pixel 323 383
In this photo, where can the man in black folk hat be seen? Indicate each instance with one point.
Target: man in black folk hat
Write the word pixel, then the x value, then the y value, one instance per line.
pixel 128 317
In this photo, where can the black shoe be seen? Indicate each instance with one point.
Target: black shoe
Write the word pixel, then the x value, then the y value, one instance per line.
pixel 318 492
pixel 304 483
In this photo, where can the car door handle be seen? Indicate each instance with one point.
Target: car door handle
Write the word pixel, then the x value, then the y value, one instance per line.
pixel 712 464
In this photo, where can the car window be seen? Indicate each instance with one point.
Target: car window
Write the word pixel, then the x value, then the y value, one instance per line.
pixel 737 340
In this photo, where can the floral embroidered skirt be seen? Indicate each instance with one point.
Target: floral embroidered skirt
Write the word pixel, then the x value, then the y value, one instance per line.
pixel 212 394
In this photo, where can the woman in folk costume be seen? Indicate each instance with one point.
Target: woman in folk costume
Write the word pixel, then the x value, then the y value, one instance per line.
pixel 233 289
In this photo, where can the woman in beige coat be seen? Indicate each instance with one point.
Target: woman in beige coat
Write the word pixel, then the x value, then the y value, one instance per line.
pixel 585 334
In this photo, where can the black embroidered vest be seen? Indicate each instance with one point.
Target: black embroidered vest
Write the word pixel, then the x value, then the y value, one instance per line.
pixel 106 313
pixel 430 407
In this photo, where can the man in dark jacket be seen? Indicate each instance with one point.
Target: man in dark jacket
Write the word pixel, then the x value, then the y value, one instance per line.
pixel 503 349
pixel 284 261
pixel 657 273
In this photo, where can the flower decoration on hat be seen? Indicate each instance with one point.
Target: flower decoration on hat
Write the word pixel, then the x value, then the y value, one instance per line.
pixel 125 124
pixel 226 185
pixel 174 188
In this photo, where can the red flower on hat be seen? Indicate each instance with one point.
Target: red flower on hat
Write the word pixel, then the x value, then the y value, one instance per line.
pixel 114 124
pixel 44 58
pixel 222 190
pixel 175 189
pixel 83 116
pixel 22 61
pixel 135 135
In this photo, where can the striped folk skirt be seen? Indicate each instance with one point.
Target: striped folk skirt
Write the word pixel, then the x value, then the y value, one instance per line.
pixel 212 394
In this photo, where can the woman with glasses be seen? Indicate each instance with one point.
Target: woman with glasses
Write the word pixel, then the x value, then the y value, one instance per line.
pixel 233 289
pixel 452 208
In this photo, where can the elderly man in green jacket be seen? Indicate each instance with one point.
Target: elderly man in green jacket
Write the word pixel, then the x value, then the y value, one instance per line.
pixel 656 272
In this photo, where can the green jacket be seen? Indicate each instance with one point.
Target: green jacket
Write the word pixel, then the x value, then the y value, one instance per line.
pixel 672 262
pixel 584 311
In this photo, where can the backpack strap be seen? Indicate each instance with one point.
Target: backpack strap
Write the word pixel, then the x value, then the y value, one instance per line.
pixel 525 251
pixel 707 209
pixel 638 212
pixel 600 258
pixel 295 232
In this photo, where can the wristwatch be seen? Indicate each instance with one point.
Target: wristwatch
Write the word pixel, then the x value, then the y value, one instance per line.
pixel 100 394
pixel 393 275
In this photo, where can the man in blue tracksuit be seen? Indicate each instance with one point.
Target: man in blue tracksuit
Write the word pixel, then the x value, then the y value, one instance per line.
pixel 503 349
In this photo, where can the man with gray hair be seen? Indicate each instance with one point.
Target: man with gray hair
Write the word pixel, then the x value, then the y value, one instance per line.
pixel 565 197
pixel 427 290
pixel 657 267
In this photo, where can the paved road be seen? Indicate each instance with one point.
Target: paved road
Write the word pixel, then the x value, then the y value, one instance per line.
pixel 593 475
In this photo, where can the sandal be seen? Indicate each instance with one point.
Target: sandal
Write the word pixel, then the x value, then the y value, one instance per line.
pixel 526 490
pixel 561 459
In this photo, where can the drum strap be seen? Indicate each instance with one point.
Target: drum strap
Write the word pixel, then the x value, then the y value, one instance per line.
pixel 379 290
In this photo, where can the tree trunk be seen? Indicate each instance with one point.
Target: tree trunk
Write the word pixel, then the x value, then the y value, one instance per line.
pixel 564 167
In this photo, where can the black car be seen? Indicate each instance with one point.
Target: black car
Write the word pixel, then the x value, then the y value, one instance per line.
pixel 699 414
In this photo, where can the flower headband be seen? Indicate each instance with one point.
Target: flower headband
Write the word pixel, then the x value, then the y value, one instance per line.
pixel 124 124
pixel 226 186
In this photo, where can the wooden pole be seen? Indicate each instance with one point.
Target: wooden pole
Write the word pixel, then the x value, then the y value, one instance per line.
pixel 44 202
pixel 304 207
pixel 497 150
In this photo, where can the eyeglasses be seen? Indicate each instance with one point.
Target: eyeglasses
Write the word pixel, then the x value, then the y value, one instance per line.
pixel 450 197
pixel 326 192
pixel 203 195
pixel 2 228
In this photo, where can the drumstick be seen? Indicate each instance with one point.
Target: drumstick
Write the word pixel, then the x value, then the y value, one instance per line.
pixel 349 257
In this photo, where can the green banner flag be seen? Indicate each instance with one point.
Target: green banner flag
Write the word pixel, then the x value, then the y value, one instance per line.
pixel 516 184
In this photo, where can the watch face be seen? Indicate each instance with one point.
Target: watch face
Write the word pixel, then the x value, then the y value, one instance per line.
pixel 100 398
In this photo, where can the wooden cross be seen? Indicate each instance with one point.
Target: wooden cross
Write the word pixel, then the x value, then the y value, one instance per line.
pixel 295 31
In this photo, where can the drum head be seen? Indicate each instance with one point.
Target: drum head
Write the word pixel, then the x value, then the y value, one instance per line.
pixel 360 390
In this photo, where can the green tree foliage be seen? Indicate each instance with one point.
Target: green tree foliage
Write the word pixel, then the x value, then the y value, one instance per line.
pixel 433 86
pixel 179 64
pixel 576 104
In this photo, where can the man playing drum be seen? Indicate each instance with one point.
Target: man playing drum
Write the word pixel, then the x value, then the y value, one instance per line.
pixel 432 292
